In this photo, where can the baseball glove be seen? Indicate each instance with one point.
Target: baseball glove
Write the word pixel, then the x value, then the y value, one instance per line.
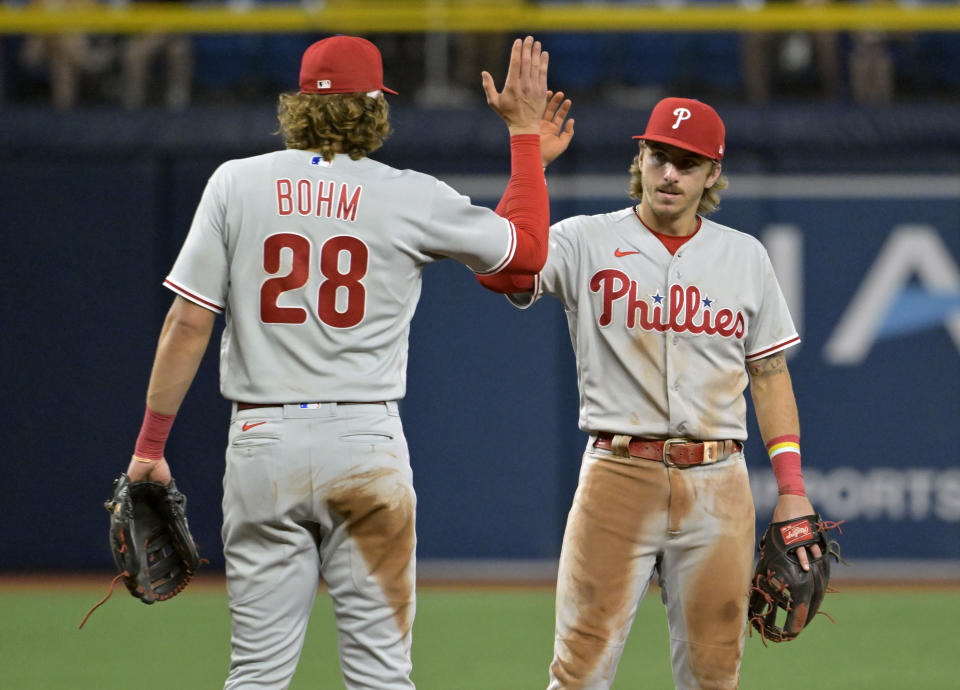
pixel 780 583
pixel 150 540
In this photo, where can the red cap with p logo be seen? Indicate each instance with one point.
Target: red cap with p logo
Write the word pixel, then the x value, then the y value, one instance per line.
pixel 688 124
pixel 342 64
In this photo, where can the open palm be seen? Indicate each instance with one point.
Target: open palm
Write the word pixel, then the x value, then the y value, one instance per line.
pixel 556 131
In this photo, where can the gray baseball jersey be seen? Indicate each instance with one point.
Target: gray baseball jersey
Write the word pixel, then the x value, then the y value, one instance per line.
pixel 661 343
pixel 317 268
pixel 661 340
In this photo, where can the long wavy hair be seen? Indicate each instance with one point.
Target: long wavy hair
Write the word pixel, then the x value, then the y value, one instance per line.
pixel 350 123
pixel 709 202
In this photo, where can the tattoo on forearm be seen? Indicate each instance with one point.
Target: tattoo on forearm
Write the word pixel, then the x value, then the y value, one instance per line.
pixel 768 366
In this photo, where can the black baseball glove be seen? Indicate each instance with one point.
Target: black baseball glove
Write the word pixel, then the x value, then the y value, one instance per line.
pixel 780 583
pixel 150 538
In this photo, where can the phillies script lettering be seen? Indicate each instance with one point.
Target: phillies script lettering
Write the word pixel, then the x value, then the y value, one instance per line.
pixel 689 309
pixel 318 198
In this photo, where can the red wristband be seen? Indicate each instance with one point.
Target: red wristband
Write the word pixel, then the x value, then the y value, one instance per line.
pixel 784 454
pixel 153 435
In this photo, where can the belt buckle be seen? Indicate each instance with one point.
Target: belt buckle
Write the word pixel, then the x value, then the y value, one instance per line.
pixel 666 451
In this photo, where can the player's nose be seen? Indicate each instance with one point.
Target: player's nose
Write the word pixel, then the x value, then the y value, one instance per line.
pixel 670 173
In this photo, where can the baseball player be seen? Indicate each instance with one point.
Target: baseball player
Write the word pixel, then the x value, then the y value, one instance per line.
pixel 671 315
pixel 314 255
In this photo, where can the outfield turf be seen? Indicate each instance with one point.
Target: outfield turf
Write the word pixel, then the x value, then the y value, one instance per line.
pixel 464 639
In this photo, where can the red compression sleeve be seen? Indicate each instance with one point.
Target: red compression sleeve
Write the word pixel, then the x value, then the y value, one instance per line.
pixel 784 454
pixel 507 282
pixel 153 435
pixel 501 209
pixel 525 204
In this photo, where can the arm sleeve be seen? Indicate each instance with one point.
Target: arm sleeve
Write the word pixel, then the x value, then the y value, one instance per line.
pixel 507 283
pixel 559 276
pixel 515 204
pixel 526 205
pixel 501 209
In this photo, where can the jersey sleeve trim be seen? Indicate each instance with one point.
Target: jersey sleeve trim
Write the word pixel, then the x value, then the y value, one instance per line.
pixel 776 347
pixel 508 257
pixel 193 297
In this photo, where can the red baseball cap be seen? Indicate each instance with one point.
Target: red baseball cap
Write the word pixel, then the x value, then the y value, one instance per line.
pixel 342 64
pixel 688 124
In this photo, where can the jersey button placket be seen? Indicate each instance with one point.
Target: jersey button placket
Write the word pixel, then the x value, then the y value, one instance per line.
pixel 670 354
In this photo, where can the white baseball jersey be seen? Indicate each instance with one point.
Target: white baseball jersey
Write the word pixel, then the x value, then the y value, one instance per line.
pixel 661 341
pixel 317 268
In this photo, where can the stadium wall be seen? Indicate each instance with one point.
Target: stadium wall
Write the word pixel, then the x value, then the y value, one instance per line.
pixel 860 210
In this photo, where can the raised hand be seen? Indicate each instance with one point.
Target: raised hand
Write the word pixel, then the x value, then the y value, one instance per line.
pixel 523 99
pixel 556 131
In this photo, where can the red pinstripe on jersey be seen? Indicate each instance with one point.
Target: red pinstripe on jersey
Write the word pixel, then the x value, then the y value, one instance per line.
pixel 511 250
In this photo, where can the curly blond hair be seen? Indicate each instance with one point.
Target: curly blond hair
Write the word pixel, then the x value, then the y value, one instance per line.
pixel 709 202
pixel 350 123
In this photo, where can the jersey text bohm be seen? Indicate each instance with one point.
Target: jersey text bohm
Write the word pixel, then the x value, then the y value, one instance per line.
pixel 317 198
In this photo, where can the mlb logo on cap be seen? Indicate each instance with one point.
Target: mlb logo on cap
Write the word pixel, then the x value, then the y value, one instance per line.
pixel 342 64
pixel 688 124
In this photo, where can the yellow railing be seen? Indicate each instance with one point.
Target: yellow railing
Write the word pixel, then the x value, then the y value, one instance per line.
pixel 405 16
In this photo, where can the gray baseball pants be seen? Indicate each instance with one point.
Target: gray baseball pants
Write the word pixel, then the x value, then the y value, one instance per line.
pixel 311 492
pixel 632 517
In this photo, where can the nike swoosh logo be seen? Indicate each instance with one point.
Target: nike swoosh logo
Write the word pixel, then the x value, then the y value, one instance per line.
pixel 619 253
pixel 249 425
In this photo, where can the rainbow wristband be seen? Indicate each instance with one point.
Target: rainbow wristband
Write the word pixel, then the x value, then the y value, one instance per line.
pixel 784 454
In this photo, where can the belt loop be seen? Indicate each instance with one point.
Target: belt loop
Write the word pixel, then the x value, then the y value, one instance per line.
pixel 620 446
pixel 711 451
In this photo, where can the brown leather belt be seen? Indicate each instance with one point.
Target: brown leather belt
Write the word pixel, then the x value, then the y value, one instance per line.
pixel 241 406
pixel 679 452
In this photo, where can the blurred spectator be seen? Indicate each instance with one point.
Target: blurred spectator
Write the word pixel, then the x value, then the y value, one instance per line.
pixel 800 63
pixel 70 61
pixel 141 52
pixel 403 60
pixel 813 59
pixel 871 66
pixel 140 64
pixel 452 66
pixel 473 53
pixel 871 69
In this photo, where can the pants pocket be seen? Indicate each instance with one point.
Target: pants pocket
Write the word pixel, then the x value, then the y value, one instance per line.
pixel 366 437
pixel 250 441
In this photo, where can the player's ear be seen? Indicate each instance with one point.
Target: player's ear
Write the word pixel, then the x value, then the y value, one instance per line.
pixel 714 174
